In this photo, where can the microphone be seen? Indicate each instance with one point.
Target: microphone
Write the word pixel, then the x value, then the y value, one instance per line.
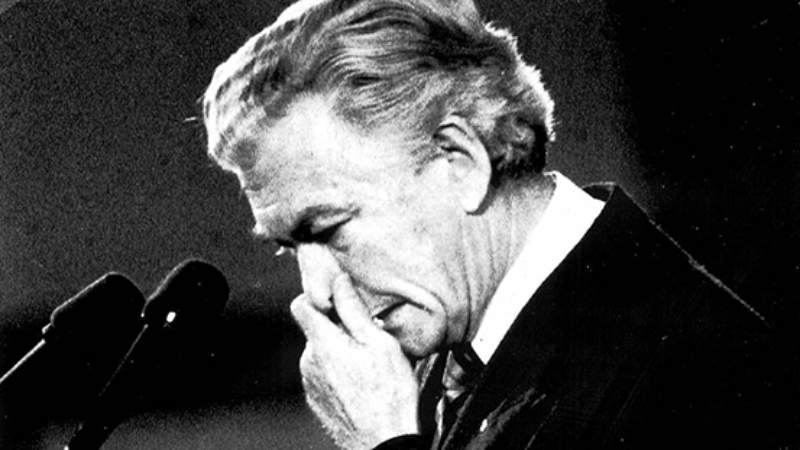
pixel 191 295
pixel 104 314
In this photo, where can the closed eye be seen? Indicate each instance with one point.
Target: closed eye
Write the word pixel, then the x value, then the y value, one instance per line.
pixel 317 224
pixel 309 233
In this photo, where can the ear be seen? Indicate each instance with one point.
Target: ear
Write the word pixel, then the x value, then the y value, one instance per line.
pixel 469 167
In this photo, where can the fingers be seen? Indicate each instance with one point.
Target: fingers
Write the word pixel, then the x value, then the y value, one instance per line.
pixel 318 268
pixel 315 325
pixel 330 291
pixel 352 311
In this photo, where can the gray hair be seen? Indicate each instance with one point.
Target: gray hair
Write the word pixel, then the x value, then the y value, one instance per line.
pixel 406 62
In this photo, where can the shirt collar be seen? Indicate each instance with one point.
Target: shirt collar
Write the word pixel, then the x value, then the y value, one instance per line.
pixel 565 220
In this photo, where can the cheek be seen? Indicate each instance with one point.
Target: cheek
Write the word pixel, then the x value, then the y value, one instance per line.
pixel 395 246
pixel 420 228
pixel 422 332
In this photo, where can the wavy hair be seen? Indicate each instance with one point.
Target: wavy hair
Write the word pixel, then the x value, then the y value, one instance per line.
pixel 405 62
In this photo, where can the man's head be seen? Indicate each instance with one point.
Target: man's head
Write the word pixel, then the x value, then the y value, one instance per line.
pixel 368 135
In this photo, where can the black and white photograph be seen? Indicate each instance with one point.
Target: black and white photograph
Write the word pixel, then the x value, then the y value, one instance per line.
pixel 399 224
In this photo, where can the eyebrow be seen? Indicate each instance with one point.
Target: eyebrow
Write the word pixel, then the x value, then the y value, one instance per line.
pixel 302 219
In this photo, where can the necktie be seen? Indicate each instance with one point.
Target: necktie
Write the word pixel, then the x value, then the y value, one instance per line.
pixel 461 371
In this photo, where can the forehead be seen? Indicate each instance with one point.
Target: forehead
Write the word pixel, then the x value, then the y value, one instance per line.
pixel 312 141
pixel 312 156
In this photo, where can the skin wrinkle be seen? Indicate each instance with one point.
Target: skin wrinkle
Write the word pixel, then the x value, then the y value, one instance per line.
pixel 478 288
pixel 502 236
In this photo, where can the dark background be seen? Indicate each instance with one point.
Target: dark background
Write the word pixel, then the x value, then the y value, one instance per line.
pixel 692 108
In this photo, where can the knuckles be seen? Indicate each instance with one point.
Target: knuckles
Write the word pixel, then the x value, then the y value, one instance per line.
pixel 309 364
pixel 297 306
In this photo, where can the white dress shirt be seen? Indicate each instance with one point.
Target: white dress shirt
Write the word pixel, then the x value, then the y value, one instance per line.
pixel 565 220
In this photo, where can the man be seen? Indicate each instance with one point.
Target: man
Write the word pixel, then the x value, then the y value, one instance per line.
pixel 455 294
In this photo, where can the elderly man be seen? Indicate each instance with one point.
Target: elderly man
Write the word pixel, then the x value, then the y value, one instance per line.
pixel 455 294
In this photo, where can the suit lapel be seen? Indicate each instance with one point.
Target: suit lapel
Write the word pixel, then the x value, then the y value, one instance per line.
pixel 553 367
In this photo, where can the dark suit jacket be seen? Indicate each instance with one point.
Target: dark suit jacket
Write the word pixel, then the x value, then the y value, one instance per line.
pixel 628 344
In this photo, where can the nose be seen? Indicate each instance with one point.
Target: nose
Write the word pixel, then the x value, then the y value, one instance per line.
pixel 318 269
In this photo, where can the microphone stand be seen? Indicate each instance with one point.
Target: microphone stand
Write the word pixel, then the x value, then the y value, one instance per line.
pixel 110 406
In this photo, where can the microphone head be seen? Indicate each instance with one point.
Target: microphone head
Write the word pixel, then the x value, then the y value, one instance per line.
pixel 108 307
pixel 193 291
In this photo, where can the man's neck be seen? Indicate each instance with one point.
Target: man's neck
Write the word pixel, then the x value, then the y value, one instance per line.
pixel 495 238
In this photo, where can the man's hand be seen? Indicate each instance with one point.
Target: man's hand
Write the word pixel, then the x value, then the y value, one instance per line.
pixel 356 378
